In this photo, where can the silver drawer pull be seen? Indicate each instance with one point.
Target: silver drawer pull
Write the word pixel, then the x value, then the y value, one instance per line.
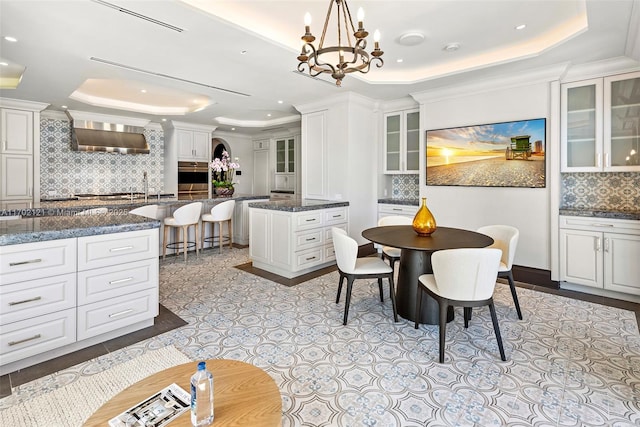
pixel 310 239
pixel 25 301
pixel 309 259
pixel 399 210
pixel 115 282
pixel 122 313
pixel 31 261
pixel 35 337
pixel 601 225
pixel 337 216
pixel 310 220
pixel 124 248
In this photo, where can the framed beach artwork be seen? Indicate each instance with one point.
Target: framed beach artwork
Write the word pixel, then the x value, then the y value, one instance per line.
pixel 507 154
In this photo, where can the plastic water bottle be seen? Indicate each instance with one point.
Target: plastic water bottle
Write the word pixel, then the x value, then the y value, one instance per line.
pixel 202 396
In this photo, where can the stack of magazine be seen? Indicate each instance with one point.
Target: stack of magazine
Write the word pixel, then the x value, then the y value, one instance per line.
pixel 155 411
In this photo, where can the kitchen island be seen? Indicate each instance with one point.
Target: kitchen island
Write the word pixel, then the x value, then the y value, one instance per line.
pixel 293 237
pixel 68 282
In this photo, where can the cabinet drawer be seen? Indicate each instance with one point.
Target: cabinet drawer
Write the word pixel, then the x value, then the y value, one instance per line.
pixel 626 226
pixel 114 249
pixel 105 316
pixel 108 282
pixel 308 239
pixel 328 235
pixel 27 338
pixel 308 220
pixel 21 301
pixel 403 210
pixel 308 258
pixel 329 253
pixel 27 261
pixel 335 216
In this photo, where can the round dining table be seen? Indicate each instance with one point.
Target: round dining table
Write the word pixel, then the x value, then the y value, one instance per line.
pixel 415 260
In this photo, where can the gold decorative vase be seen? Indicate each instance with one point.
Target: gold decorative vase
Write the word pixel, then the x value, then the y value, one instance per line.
pixel 424 223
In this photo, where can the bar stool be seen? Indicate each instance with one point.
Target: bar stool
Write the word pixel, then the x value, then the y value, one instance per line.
pixel 183 218
pixel 147 211
pixel 220 213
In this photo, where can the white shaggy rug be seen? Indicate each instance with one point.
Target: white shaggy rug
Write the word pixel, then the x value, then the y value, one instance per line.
pixel 73 404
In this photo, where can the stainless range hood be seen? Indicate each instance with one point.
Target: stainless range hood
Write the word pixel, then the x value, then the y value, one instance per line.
pixel 114 134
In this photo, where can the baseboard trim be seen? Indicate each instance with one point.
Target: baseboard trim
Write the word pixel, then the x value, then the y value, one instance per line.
pixel 534 276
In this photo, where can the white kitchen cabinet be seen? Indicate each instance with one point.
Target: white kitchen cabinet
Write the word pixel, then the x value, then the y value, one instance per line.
pixel 600 253
pixel 285 176
pixel 294 243
pixel 59 296
pixel 241 221
pixel 600 124
pixel 193 145
pixel 17 177
pixel 402 142
pixel 17 131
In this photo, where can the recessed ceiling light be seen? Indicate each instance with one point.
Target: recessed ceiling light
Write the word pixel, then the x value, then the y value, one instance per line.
pixel 233 128
pixel 164 120
pixel 280 102
pixel 11 39
pixel 143 90
pixel 269 115
pixel 451 47
pixel 64 106
pixel 4 64
pixel 399 60
pixel 521 27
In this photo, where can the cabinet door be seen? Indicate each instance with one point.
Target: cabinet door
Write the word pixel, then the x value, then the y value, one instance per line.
pixel 17 176
pixel 581 133
pixel 581 257
pixel 261 172
pixel 412 142
pixel 201 144
pixel 621 266
pixel 281 156
pixel 259 222
pixel 291 155
pixel 17 132
pixel 392 143
pixel 185 144
pixel 622 122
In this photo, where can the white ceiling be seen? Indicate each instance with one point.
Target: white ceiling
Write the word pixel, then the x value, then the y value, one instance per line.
pixel 181 70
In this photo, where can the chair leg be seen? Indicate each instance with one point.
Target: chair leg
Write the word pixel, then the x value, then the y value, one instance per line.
pixel 467 316
pixel 418 305
pixel 185 233
pixel 348 298
pixel 392 294
pixel 197 236
pixel 512 286
pixel 496 329
pixel 442 326
pixel 339 288
pixel 230 228
pixel 380 288
pixel 392 261
pixel 202 232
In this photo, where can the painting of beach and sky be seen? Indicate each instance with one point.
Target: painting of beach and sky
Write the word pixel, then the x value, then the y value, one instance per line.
pixel 508 154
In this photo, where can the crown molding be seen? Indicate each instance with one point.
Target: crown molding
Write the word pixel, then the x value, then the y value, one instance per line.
pixel 172 124
pixel 20 104
pixel 350 97
pixel 258 123
pixel 620 64
pixel 54 115
pixel 107 118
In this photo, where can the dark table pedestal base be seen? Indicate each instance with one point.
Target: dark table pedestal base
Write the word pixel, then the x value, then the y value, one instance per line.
pixel 413 264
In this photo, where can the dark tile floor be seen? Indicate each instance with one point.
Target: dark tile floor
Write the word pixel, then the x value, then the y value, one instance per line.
pixel 165 321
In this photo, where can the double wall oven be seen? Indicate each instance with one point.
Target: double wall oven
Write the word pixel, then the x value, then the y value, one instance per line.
pixel 193 180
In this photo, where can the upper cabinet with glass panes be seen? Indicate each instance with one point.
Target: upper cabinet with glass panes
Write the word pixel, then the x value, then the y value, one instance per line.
pixel 402 142
pixel 600 124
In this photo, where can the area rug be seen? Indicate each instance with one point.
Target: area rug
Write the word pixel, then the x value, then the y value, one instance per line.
pixel 74 403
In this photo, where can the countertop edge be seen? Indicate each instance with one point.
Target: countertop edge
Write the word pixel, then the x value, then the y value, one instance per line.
pixel 599 213
pixel 295 206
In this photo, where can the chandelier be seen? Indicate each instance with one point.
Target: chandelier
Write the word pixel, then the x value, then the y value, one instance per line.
pixel 341 59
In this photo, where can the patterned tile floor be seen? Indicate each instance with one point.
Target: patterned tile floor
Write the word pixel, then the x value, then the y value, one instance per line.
pixel 570 362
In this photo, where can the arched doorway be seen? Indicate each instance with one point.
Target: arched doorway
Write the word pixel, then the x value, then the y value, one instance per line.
pixel 219 145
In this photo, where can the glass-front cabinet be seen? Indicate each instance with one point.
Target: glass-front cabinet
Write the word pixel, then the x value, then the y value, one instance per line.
pixel 285 155
pixel 402 142
pixel 600 124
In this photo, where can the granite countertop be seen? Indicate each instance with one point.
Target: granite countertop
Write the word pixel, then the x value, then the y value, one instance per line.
pixel 602 213
pixel 298 205
pixel 406 202
pixel 68 207
pixel 36 229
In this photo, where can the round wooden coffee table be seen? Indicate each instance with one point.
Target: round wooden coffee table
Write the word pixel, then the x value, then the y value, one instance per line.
pixel 243 395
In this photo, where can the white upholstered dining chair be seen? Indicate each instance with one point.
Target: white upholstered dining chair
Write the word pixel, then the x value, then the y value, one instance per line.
pixel 389 252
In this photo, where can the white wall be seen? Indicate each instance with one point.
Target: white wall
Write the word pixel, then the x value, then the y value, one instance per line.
pixel 527 209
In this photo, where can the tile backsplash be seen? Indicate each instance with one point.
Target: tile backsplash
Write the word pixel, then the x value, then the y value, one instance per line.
pixel 405 187
pixel 74 172
pixel 601 190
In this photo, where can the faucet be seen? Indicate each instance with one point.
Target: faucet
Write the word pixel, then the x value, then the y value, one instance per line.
pixel 145 185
